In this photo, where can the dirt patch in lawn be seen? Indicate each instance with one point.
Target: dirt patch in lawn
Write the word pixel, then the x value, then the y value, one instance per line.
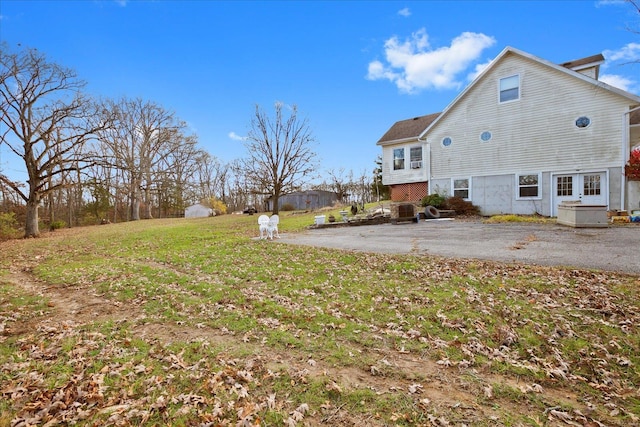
pixel 438 392
pixel 453 391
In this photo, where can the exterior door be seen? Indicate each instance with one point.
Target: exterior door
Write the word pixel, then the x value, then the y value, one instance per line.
pixel 589 188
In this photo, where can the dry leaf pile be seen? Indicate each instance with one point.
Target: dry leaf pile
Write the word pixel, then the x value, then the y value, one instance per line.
pixel 107 380
pixel 352 339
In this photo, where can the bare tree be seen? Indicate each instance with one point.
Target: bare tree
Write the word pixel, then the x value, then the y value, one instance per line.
pixel 174 176
pixel 142 138
pixel 635 4
pixel 211 176
pixel 362 188
pixel 237 188
pixel 48 121
pixel 340 183
pixel 280 157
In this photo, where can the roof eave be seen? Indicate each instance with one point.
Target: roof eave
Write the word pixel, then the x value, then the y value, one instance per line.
pixel 398 141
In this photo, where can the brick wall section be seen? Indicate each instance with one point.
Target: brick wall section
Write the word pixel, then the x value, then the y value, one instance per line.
pixel 412 192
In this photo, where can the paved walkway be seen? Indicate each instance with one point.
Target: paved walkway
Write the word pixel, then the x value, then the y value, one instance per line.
pixel 615 248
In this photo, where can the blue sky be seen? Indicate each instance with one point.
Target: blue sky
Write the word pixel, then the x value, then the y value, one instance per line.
pixel 353 68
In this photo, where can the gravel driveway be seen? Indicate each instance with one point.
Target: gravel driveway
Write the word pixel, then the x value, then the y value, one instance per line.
pixel 615 248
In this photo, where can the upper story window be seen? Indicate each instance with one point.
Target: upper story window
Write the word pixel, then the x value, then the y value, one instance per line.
pixel 398 158
pixel 415 157
pixel 485 136
pixel 583 122
pixel 510 88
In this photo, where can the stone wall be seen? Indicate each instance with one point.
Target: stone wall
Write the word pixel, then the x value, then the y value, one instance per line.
pixel 404 210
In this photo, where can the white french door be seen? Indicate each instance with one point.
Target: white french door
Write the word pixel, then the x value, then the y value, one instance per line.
pixel 589 188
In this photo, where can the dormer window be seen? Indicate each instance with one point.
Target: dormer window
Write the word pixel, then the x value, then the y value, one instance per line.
pixel 510 88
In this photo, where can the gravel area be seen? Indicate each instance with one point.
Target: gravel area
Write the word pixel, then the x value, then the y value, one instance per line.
pixel 614 248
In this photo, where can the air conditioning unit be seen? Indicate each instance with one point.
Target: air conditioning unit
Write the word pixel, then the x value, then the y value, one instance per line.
pixel 416 165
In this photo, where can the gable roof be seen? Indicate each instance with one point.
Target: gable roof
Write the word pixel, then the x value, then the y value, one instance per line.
pixel 417 127
pixel 511 50
pixel 408 129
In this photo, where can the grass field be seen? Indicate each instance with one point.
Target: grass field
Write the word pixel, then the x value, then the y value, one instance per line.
pixel 197 323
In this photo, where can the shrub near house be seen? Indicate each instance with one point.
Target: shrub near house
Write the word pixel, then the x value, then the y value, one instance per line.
pixel 632 168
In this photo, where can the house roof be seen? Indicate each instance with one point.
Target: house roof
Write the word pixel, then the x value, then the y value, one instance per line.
pixel 418 126
pixel 589 61
pixel 408 129
pixel 514 51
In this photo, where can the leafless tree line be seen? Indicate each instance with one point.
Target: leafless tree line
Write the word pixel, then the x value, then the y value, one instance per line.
pixel 351 187
pixel 91 160
pixel 88 159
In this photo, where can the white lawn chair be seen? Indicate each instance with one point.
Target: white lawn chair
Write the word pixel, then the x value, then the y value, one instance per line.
pixel 263 225
pixel 273 226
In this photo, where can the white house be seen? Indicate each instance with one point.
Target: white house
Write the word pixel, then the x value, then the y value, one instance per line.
pixel 198 211
pixel 524 136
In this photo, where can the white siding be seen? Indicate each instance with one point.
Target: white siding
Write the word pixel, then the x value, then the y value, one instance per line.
pixel 406 175
pixel 535 133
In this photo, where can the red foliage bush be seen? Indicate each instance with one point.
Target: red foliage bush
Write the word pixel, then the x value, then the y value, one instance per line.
pixel 632 168
pixel 461 206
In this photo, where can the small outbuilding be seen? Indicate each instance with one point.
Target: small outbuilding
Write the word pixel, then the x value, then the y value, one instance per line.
pixel 304 200
pixel 198 211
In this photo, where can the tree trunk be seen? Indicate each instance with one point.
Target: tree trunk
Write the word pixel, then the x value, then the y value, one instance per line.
pixel 276 203
pixel 135 203
pixel 147 196
pixel 135 209
pixel 31 227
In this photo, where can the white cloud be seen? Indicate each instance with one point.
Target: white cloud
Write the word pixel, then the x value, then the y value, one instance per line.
pixel 624 59
pixel 236 137
pixel 479 68
pixel 404 12
pixel 628 53
pixel 620 82
pixel 412 65
pixel 600 3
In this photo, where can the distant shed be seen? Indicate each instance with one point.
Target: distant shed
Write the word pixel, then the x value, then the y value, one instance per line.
pixel 303 200
pixel 198 211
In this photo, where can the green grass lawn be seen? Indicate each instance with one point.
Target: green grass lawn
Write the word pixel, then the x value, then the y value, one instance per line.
pixel 196 322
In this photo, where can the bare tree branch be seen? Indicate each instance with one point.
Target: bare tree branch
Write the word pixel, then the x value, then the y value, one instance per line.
pixel 48 121
pixel 280 157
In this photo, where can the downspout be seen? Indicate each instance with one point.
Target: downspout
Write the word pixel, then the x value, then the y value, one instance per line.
pixel 426 149
pixel 625 154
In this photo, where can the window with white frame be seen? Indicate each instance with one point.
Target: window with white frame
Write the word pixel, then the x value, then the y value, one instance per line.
pixel 564 185
pixel 591 185
pixel 510 88
pixel 461 188
pixel 398 158
pixel 529 186
pixel 415 157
